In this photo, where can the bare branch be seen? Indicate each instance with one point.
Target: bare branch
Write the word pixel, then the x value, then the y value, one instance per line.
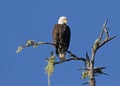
pixel 104 29
pixel 32 43
pixel 74 58
pixel 49 43
pixel 105 41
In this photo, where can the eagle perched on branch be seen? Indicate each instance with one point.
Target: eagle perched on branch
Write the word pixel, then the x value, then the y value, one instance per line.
pixel 61 37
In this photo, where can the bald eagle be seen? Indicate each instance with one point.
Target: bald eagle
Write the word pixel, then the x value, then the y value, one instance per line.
pixel 61 37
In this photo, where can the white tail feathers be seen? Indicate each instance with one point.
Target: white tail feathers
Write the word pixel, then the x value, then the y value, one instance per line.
pixel 62 56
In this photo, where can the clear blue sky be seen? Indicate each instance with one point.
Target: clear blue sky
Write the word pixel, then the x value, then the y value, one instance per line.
pixel 21 20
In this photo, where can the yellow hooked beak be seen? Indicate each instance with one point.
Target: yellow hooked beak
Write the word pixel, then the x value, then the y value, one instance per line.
pixel 65 21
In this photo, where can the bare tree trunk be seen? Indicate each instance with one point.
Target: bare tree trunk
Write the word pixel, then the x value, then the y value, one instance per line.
pixel 91 72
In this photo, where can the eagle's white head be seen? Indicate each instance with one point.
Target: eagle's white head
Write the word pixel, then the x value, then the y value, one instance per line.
pixel 62 20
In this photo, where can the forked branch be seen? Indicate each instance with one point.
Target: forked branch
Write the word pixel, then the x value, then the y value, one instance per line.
pixel 99 42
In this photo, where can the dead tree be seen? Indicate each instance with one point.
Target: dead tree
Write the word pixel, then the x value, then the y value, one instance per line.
pixel 89 70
